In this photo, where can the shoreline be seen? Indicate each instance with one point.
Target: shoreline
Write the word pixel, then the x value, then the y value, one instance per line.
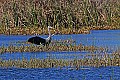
pixel 39 30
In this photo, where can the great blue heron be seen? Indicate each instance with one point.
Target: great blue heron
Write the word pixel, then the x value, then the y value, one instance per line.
pixel 38 40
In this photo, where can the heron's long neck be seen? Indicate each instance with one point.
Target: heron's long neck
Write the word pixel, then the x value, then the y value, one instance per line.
pixel 49 32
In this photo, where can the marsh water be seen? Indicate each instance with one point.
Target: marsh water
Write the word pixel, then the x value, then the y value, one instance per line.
pixel 104 73
pixel 98 38
pixel 103 38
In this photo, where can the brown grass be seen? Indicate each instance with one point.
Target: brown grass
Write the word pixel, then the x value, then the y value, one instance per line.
pixel 90 60
pixel 51 47
pixel 70 17
pixel 38 31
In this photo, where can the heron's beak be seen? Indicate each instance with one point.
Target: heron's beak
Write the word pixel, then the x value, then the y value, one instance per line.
pixel 56 30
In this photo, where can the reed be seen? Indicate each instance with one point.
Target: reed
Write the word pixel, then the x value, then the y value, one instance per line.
pixel 66 45
pixel 38 31
pixel 69 15
pixel 94 60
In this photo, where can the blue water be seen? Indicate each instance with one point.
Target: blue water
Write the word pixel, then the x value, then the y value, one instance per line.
pixel 104 38
pixel 43 55
pixel 103 73
pixel 96 38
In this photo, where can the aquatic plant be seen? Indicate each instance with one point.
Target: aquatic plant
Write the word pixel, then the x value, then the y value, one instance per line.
pixel 90 60
pixel 65 45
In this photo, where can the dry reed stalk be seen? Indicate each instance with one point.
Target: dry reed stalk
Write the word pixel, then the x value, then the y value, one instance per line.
pixel 71 16
pixel 58 46
pixel 92 61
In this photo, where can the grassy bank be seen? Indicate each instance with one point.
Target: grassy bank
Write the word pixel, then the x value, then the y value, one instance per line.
pixel 90 60
pixel 70 17
pixel 39 30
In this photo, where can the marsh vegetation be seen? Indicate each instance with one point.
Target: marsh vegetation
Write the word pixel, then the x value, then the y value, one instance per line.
pixel 90 60
pixel 70 17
